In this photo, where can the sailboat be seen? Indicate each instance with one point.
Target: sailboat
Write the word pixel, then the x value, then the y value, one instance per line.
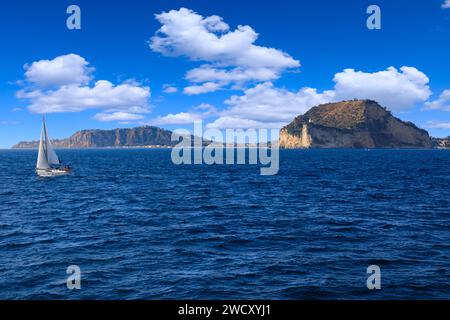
pixel 48 163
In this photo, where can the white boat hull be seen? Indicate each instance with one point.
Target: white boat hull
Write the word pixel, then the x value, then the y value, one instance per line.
pixel 52 172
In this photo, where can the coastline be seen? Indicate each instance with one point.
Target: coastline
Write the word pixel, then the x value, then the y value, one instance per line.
pixel 237 147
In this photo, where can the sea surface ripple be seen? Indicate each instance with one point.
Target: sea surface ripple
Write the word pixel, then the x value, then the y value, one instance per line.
pixel 141 227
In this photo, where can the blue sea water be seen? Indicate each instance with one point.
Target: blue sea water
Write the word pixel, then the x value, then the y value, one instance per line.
pixel 141 227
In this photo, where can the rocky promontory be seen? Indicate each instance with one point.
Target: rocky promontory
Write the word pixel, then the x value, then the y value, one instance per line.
pixel 352 124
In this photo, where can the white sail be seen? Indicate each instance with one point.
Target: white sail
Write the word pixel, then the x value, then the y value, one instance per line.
pixel 42 162
pixel 52 157
pixel 47 155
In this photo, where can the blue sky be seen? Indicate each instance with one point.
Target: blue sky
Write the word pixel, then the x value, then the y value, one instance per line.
pixel 122 68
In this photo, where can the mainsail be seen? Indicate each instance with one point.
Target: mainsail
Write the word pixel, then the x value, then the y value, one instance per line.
pixel 47 155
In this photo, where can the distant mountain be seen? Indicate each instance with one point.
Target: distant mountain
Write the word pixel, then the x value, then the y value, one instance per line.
pixel 346 124
pixel 133 137
pixel 352 124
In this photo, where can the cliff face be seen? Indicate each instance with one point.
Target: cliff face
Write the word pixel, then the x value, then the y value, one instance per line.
pixel 352 124
pixel 141 136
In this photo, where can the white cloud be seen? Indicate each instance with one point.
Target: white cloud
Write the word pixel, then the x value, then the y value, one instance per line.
pixel 438 124
pixel 206 72
pixel 197 113
pixel 177 118
pixel 232 55
pixel 240 123
pixel 442 103
pixel 168 88
pixel 203 88
pixel 125 101
pixel 268 106
pixel 103 95
pixel 186 33
pixel 206 109
pixel 397 90
pixel 117 116
pixel 446 4
pixel 63 70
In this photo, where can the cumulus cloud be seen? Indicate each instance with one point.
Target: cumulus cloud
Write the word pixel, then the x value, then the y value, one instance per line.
pixel 102 95
pixel 239 75
pixel 446 4
pixel 227 122
pixel 438 124
pixel 232 55
pixel 203 88
pixel 66 87
pixel 197 113
pixel 63 70
pixel 206 109
pixel 442 103
pixel 268 106
pixel 177 118
pixel 395 89
pixel 117 116
pixel 169 88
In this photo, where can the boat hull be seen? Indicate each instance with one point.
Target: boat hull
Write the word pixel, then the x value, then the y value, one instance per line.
pixel 52 172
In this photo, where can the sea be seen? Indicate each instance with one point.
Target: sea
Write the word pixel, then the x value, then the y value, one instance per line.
pixel 138 226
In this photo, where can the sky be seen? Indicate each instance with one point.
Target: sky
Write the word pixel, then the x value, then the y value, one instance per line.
pixel 232 64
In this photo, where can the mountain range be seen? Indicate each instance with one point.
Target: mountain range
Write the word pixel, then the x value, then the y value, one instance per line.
pixel 128 137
